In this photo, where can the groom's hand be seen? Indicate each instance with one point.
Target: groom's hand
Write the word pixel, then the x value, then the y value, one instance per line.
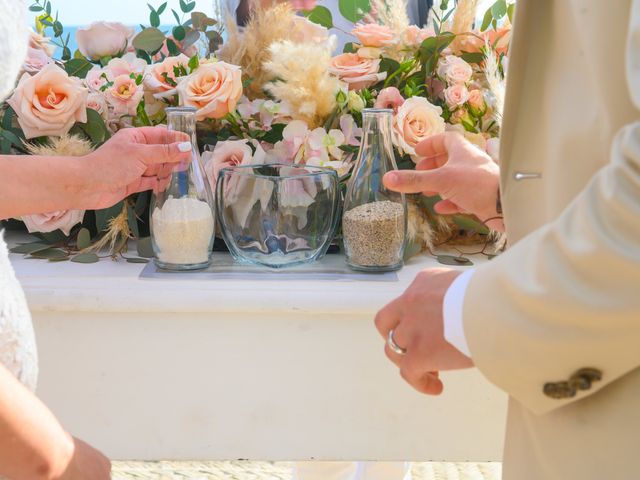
pixel 417 321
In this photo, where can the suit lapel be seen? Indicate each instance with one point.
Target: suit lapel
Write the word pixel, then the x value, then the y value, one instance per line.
pixel 515 79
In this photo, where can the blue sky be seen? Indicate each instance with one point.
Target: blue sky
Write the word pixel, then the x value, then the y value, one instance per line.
pixel 131 12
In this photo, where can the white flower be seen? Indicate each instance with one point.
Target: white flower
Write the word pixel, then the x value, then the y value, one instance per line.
pixel 326 143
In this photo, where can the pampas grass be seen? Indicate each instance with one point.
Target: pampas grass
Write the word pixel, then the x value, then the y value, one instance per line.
pixel 250 49
pixel 303 80
pixel 462 22
pixel 64 146
pixel 495 82
pixel 391 13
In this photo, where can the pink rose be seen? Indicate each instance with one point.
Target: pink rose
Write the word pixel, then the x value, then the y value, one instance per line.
pixel 63 220
pixel 414 35
pixel 454 70
pixel 49 103
pixel 373 35
pixel 230 153
pixel 389 97
pixel 456 95
pixel 476 99
pixel 356 71
pixel 214 89
pixel 98 102
pixel 125 65
pixel 155 79
pixel 305 31
pixel 96 79
pixel 103 39
pixel 36 60
pixel 124 95
pixel 416 120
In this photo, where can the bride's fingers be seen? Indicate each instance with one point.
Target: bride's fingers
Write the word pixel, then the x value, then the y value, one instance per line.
pixel 446 207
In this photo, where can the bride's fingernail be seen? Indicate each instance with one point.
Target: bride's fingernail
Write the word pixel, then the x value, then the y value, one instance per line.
pixel 184 146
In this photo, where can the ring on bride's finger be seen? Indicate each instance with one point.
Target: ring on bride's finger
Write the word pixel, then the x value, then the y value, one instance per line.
pixel 393 345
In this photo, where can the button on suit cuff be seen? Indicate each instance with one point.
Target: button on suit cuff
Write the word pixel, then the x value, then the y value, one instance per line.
pixel 452 312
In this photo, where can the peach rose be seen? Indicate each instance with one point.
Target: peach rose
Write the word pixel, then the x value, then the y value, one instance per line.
pixel 356 71
pixel 303 4
pixel 454 70
pixel 389 97
pixel 103 39
pixel 124 95
pixel 456 95
pixel 155 78
pixel 36 60
pixel 214 89
pixel 373 35
pixel 63 220
pixel 414 35
pixel 49 103
pixel 416 120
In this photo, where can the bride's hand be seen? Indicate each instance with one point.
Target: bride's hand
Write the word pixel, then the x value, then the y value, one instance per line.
pixel 133 160
pixel 87 463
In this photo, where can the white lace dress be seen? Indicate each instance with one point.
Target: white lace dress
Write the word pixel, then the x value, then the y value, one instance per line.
pixel 17 341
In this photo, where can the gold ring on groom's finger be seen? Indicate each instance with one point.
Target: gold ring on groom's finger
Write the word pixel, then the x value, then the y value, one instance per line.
pixel 393 345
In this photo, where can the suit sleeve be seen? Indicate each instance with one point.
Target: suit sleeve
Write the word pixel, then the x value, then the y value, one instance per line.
pixel 567 296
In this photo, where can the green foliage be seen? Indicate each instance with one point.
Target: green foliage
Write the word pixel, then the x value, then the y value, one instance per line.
pixel 473 57
pixel 144 247
pixel 94 129
pixel 349 47
pixel 194 63
pixel 85 258
pixel 454 261
pixel 83 240
pixel 104 216
pixel 496 13
pixel 78 67
pixel 149 40
pixel 354 10
pixel 275 134
pixel 45 21
pixel 320 15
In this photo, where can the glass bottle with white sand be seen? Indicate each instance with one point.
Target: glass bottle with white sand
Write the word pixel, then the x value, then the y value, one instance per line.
pixel 182 218
pixel 374 222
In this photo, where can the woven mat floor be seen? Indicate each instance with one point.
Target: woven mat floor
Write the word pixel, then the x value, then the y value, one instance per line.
pixel 282 471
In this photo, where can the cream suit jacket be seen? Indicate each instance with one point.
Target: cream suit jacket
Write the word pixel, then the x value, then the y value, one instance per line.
pixel 566 294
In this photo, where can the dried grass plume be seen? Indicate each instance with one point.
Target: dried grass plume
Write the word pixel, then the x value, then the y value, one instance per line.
pixel 495 82
pixel 303 80
pixel 67 146
pixel 250 49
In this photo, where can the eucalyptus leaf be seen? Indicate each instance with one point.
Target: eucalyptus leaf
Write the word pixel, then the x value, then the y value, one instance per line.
pixel 201 21
pixel 145 248
pixel 30 248
pixel 320 15
pixel 137 260
pixel 179 33
pixel 78 67
pixel 149 40
pixel 192 37
pixel 411 250
pixel 473 57
pixel 455 261
pixel 50 254
pixel 162 8
pixel 499 9
pixel 132 220
pixel 172 47
pixel 154 19
pixel 85 258
pixel 354 10
pixel 468 223
pixel 486 21
pixel 511 9
pixel 84 239
pixel 95 128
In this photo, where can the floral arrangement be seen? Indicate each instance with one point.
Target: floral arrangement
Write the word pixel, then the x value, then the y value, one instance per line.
pixel 273 92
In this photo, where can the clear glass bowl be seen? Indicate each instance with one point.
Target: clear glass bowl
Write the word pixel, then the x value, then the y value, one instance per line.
pixel 277 215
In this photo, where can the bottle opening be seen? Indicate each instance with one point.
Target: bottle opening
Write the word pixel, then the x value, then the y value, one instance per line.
pixel 179 110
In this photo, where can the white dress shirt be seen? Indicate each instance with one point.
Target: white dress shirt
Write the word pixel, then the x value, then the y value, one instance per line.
pixel 452 312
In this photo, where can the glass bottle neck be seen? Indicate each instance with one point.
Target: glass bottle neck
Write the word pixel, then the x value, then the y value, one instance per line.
pixel 376 138
pixel 183 122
